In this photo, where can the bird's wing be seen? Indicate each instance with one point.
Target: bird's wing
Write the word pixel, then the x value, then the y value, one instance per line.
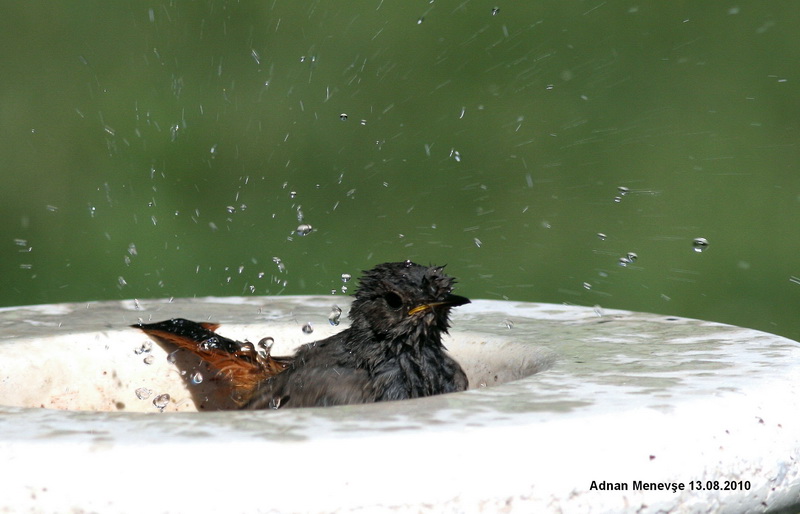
pixel 321 375
pixel 313 387
pixel 241 363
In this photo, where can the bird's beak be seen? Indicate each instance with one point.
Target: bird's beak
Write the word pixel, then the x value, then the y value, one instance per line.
pixel 450 300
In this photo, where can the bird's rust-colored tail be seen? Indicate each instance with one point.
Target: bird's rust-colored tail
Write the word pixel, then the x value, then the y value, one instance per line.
pixel 243 364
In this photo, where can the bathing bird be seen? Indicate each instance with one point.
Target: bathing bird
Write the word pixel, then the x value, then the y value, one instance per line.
pixel 392 350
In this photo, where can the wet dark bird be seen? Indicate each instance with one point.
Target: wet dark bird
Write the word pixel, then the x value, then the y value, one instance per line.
pixel 392 350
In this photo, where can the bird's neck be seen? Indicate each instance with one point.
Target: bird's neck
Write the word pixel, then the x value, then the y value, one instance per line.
pixel 410 366
pixel 376 348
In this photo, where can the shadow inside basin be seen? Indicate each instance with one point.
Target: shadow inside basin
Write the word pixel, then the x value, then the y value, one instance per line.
pixel 123 370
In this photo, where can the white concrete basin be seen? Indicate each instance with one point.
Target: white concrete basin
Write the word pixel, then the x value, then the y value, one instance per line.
pixel 564 402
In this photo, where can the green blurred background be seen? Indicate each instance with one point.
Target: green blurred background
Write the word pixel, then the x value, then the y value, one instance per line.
pixel 160 149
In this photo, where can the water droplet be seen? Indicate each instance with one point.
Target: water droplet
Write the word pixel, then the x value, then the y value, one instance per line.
pixel 508 324
pixel 265 345
pixel 363 122
pixel 602 236
pixel 280 264
pixel 407 263
pixel 307 328
pixel 210 343
pixel 343 116
pixel 231 209
pixel 197 378
pixel 700 244
pixel 420 20
pixel 143 393
pixel 149 359
pixel 495 10
pixel 122 281
pixel 144 348
pixel 303 229
pixel 292 194
pixel 335 315
pixel 477 242
pixel 630 258
pixel 587 286
pixel 161 401
pixel 623 190
pixel 346 277
pixel 275 403
pixel 171 358
pixel 344 289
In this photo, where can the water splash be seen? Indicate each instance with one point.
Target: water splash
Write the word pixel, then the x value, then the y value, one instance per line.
pixel 265 345
pixel 211 343
pixel 335 315
pixel 700 244
pixel 145 347
pixel 161 401
pixel 630 258
pixel 143 393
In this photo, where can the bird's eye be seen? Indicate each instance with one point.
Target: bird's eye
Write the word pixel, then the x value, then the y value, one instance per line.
pixel 393 300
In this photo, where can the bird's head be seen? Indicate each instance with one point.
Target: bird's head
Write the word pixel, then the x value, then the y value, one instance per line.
pixel 402 300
